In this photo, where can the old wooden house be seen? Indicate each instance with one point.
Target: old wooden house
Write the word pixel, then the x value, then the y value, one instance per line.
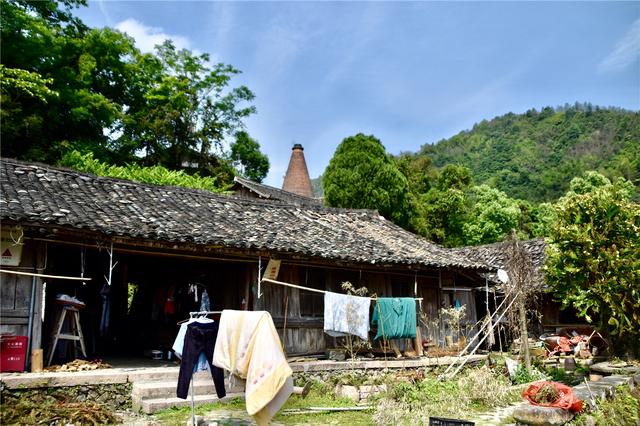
pixel 145 254
pixel 551 317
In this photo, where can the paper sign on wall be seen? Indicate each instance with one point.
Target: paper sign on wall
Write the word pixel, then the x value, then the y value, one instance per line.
pixel 273 267
pixel 11 243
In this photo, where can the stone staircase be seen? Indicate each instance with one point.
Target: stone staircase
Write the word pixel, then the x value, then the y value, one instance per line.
pixel 156 390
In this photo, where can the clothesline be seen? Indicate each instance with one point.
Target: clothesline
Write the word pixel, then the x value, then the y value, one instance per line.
pixel 204 313
pixel 32 274
pixel 267 280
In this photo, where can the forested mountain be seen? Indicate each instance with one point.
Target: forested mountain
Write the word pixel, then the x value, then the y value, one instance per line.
pixel 533 156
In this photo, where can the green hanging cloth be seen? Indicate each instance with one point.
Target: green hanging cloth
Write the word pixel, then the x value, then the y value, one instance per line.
pixel 395 317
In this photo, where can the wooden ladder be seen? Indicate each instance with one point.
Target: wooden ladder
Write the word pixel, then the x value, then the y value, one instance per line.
pixel 73 314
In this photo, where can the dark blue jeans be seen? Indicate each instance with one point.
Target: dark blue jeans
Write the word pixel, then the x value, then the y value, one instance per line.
pixel 199 338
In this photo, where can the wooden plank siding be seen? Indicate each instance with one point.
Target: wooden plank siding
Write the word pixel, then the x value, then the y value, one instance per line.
pixel 227 283
pixel 304 310
pixel 15 294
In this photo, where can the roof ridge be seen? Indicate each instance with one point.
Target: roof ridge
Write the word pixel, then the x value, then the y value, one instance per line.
pixel 251 201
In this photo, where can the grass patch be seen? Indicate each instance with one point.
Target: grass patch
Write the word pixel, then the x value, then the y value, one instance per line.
pixel 320 395
pixel 179 415
pixel 476 390
pixel 562 376
pixel 323 395
pixel 623 410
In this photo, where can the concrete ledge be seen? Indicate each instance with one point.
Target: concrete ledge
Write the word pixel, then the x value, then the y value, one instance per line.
pixel 60 379
pixel 134 375
pixel 155 373
pixel 305 367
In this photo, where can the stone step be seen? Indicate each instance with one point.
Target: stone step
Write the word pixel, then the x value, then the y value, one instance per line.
pixel 154 374
pixel 166 389
pixel 150 406
pixel 616 380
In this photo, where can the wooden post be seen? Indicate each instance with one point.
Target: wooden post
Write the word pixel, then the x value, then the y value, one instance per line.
pixel 36 360
pixel 524 336
pixel 418 341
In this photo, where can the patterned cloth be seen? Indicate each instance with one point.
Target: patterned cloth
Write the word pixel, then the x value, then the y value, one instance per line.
pixel 345 314
pixel 249 347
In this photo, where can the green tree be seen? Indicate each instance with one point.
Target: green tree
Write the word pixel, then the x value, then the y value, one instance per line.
pixel 442 211
pixel 492 216
pixel 544 216
pixel 67 83
pixel 247 158
pixel 593 257
pixel 187 111
pixel 534 156
pixel 362 175
pixel 418 170
pixel 69 87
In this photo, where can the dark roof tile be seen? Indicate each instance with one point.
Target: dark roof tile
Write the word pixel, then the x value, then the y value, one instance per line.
pixel 496 254
pixel 41 194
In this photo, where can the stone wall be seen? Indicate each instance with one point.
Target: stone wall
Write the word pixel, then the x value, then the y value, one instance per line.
pixel 114 396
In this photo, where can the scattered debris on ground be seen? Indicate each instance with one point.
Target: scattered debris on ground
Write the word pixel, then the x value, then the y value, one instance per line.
pixel 79 365
pixel 47 410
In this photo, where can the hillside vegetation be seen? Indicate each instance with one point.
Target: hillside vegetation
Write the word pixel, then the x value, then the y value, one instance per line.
pixel 533 156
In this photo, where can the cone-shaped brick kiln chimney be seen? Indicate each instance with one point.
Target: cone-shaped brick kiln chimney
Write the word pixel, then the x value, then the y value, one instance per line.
pixel 297 178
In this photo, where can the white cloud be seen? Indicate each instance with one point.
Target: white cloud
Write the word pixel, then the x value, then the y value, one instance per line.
pixel 105 12
pixel 626 51
pixel 147 37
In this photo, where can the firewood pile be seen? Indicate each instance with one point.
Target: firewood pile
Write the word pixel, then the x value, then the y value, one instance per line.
pixel 79 365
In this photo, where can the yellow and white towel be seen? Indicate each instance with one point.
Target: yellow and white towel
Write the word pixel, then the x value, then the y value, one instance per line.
pixel 249 347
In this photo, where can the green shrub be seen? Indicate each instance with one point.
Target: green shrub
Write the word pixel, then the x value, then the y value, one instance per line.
pixel 156 175
pixel 523 375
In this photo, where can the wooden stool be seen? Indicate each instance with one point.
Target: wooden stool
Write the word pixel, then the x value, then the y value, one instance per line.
pixel 74 327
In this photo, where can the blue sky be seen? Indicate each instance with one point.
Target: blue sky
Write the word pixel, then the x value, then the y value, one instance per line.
pixel 409 73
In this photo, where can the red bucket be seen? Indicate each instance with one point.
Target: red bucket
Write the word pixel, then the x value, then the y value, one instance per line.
pixel 13 353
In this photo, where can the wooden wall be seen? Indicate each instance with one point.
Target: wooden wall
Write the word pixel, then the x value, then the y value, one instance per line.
pixel 303 330
pixel 15 294
pixel 297 314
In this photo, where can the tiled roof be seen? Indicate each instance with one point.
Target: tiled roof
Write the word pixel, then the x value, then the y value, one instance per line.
pixel 497 255
pixel 276 194
pixel 38 194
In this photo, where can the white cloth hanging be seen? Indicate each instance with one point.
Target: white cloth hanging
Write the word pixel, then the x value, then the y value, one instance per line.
pixel 345 314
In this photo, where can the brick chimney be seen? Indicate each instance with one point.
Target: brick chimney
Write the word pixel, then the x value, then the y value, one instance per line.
pixel 297 178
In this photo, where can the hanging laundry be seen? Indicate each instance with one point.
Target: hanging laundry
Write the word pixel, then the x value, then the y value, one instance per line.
pixel 345 314
pixel 200 338
pixel 204 304
pixel 106 308
pixel 193 288
pixel 395 317
pixel 170 304
pixel 178 344
pixel 249 347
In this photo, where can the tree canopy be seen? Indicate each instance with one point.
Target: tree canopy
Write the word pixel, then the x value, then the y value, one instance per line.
pixel 186 109
pixel 593 259
pixel 69 87
pixel 362 175
pixel 533 156
pixel 247 158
